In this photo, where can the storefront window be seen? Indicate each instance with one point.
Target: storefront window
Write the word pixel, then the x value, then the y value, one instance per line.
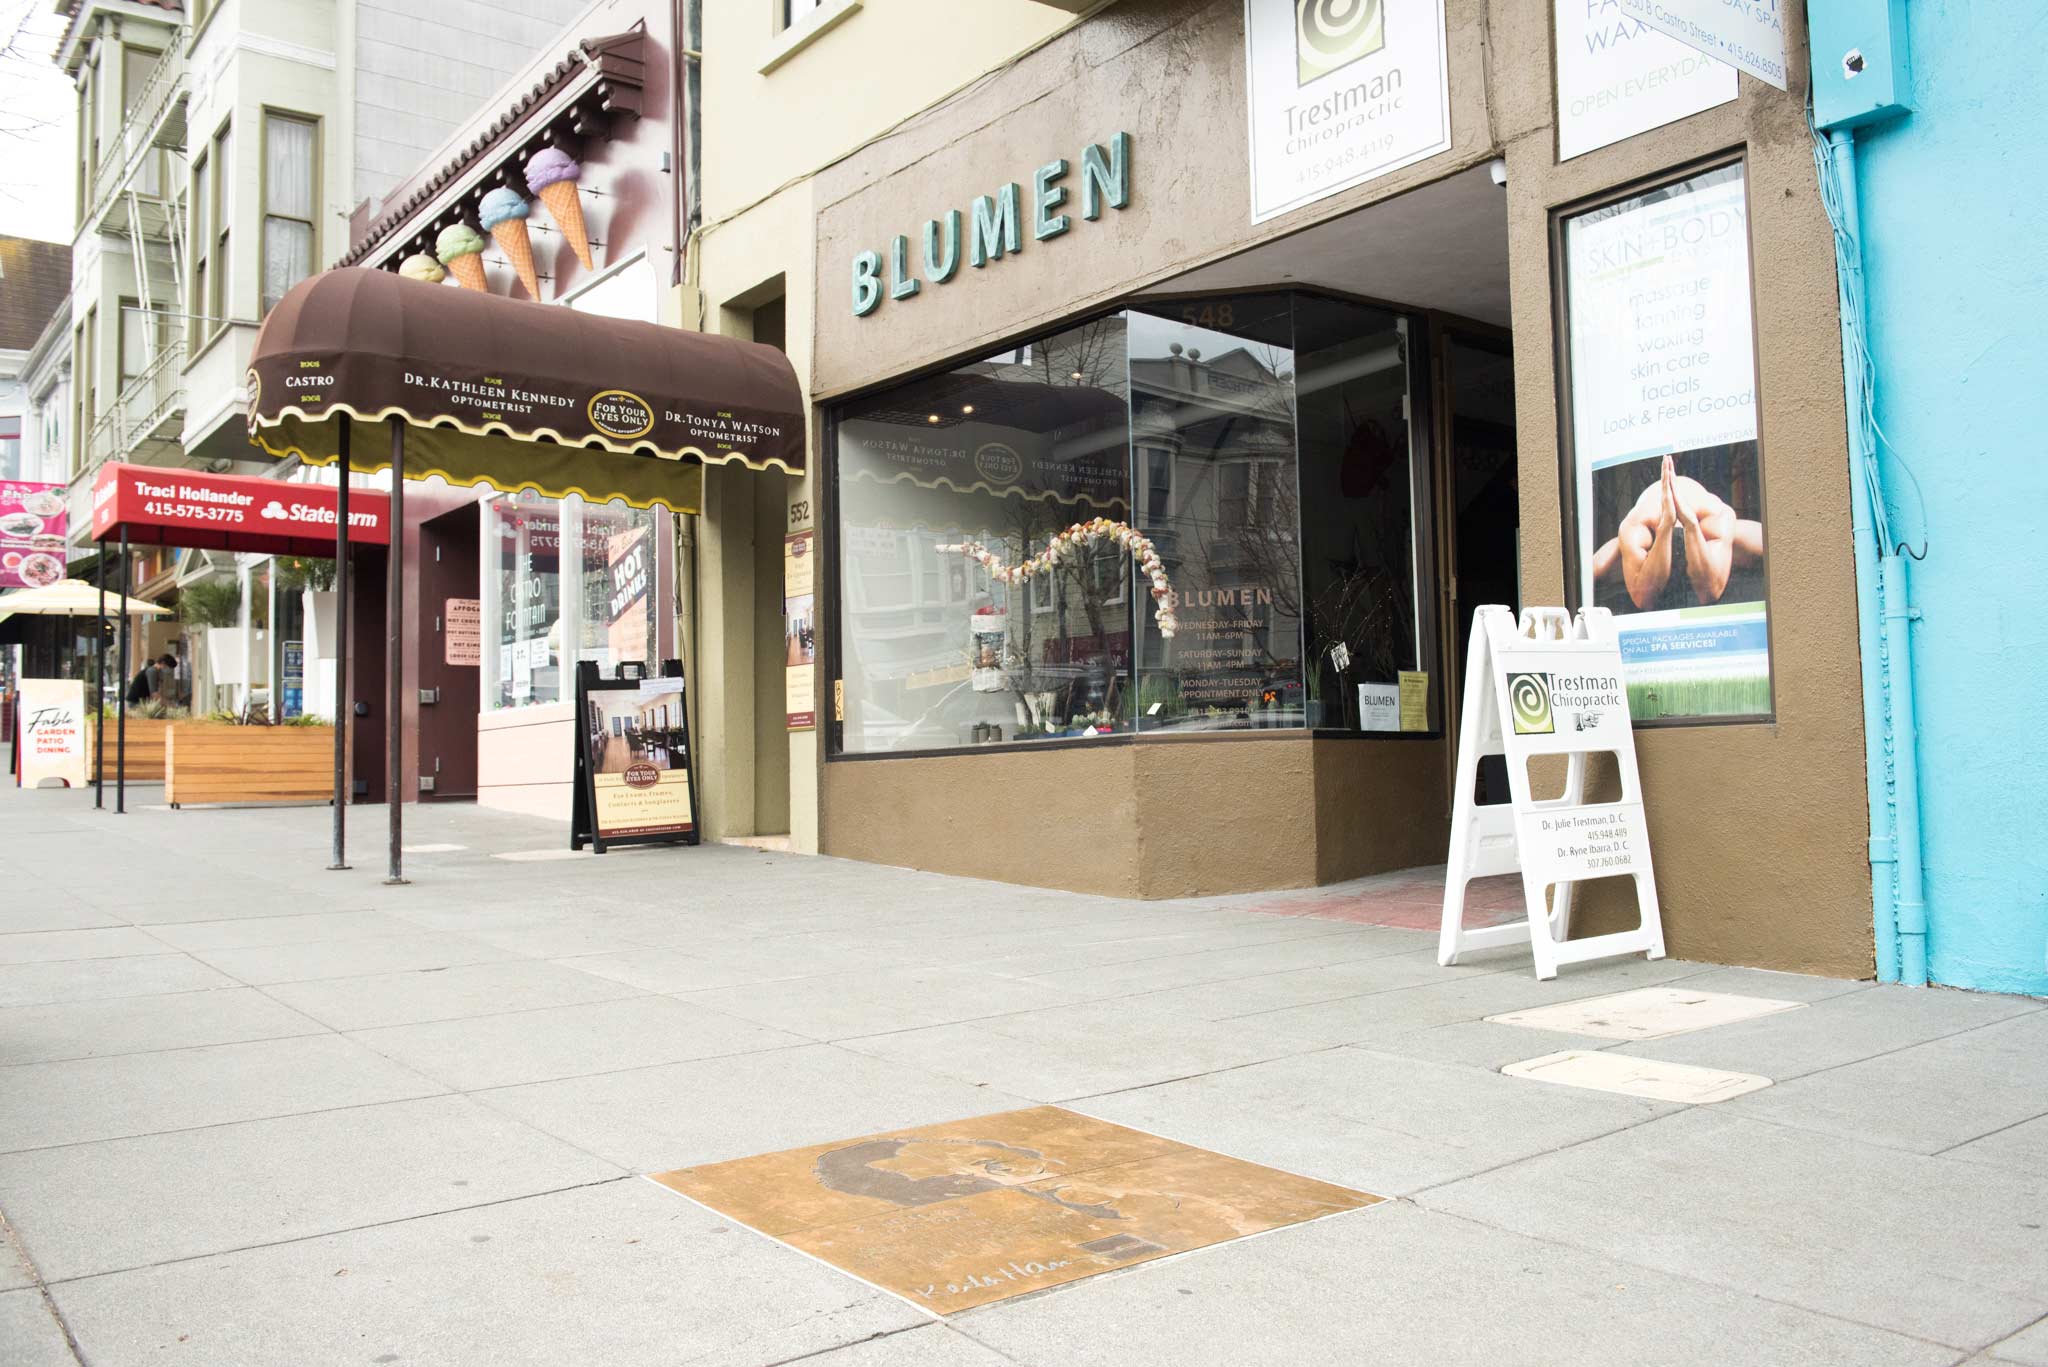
pixel 605 613
pixel 1367 616
pixel 1004 453
pixel 1212 412
pixel 523 585
pixel 617 574
pixel 1260 442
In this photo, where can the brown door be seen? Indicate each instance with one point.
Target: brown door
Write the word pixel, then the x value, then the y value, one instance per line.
pixel 448 646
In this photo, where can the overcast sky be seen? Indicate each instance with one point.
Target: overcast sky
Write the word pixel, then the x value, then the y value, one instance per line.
pixel 36 111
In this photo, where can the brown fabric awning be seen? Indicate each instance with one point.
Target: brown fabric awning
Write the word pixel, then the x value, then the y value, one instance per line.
pixel 516 395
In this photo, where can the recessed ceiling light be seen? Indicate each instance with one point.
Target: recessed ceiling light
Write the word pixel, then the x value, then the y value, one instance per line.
pixel 966 408
pixel 1077 374
pixel 933 418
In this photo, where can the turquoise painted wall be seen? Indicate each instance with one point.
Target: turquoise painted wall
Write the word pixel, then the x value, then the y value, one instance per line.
pixel 1955 227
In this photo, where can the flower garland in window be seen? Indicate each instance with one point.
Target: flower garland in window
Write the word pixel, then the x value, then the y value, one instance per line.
pixel 1062 546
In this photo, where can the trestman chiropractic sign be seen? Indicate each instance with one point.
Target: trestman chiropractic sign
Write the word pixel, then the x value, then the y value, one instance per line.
pixel 1341 92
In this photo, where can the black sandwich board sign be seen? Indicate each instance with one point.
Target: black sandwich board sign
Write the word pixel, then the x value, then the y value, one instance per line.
pixel 635 783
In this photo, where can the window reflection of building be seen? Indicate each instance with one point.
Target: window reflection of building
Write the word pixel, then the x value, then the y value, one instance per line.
pixel 1268 440
pixel 1007 452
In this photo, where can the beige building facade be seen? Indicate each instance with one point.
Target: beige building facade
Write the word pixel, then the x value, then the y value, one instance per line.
pixel 1155 778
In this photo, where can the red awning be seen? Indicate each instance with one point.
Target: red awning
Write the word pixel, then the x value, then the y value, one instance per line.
pixel 160 507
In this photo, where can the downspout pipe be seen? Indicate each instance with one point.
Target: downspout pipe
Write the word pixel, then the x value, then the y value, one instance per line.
pixel 1884 620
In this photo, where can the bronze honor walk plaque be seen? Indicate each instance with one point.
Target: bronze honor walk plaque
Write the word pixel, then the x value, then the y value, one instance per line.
pixel 957 1215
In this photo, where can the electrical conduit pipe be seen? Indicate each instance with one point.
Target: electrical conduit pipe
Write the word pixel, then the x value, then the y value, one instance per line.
pixel 1884 620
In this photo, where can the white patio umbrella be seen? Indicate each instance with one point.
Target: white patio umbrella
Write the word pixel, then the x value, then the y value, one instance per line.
pixel 74 598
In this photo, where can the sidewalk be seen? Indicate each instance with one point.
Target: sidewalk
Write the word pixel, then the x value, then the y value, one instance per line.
pixel 254 1112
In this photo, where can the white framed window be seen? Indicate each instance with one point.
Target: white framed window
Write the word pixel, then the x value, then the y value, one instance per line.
pixel 291 178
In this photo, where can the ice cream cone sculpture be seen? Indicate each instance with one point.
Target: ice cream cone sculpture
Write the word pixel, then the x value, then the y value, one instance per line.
pixel 461 248
pixel 552 174
pixel 419 266
pixel 503 216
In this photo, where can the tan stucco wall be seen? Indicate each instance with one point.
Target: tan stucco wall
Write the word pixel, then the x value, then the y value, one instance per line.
pixel 1758 830
pixel 765 134
pixel 1170 818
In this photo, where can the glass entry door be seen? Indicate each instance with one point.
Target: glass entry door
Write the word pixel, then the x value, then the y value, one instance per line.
pixel 1481 502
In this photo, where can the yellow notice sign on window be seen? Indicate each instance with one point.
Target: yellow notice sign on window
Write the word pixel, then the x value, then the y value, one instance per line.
pixel 1414 699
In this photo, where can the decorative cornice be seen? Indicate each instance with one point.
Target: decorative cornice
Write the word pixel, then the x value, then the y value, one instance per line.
pixel 599 78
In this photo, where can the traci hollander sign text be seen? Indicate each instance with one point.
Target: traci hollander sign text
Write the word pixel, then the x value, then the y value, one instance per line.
pixel 1341 92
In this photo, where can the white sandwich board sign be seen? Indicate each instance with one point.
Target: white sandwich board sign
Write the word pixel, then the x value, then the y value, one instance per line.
pixel 50 733
pixel 1548 685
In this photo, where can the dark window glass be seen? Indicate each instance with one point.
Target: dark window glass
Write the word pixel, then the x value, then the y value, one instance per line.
pixel 1367 614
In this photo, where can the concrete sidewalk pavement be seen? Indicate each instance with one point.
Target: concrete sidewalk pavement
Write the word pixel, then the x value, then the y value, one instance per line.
pixel 252 1111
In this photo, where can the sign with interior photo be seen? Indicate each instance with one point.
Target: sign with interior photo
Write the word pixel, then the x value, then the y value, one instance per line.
pixel 799 630
pixel 1341 92
pixel 50 733
pixel 634 782
pixel 1617 77
pixel 1667 473
pixel 33 521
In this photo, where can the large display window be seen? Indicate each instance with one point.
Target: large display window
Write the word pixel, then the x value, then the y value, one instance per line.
pixel 565 581
pixel 1193 515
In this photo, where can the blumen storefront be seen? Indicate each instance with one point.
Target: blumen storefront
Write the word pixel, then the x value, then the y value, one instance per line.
pixel 1340 408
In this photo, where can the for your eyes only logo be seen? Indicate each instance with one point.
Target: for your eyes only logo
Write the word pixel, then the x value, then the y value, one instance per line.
pixel 1332 34
pixel 1529 703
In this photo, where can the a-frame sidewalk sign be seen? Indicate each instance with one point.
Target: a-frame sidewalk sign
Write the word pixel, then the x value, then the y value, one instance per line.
pixel 1547 685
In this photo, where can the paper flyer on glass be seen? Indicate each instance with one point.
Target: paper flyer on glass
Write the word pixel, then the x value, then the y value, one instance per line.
pixel 33 522
pixel 1669 486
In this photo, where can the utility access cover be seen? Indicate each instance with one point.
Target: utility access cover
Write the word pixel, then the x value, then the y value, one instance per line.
pixel 956 1215
pixel 1647 1013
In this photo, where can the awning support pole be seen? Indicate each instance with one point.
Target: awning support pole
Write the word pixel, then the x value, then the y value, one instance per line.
pixel 394 654
pixel 99 762
pixel 121 732
pixel 341 690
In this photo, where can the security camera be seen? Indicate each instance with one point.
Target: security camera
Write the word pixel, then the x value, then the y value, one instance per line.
pixel 1498 169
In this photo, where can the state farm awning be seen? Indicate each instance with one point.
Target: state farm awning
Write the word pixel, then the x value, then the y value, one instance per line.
pixel 516 395
pixel 152 506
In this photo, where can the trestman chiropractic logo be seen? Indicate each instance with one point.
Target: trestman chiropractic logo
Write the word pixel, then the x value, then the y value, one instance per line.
pixel 1529 702
pixel 1332 34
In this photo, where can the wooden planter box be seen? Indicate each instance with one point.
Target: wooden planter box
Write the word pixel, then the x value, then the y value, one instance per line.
pixel 216 762
pixel 146 739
